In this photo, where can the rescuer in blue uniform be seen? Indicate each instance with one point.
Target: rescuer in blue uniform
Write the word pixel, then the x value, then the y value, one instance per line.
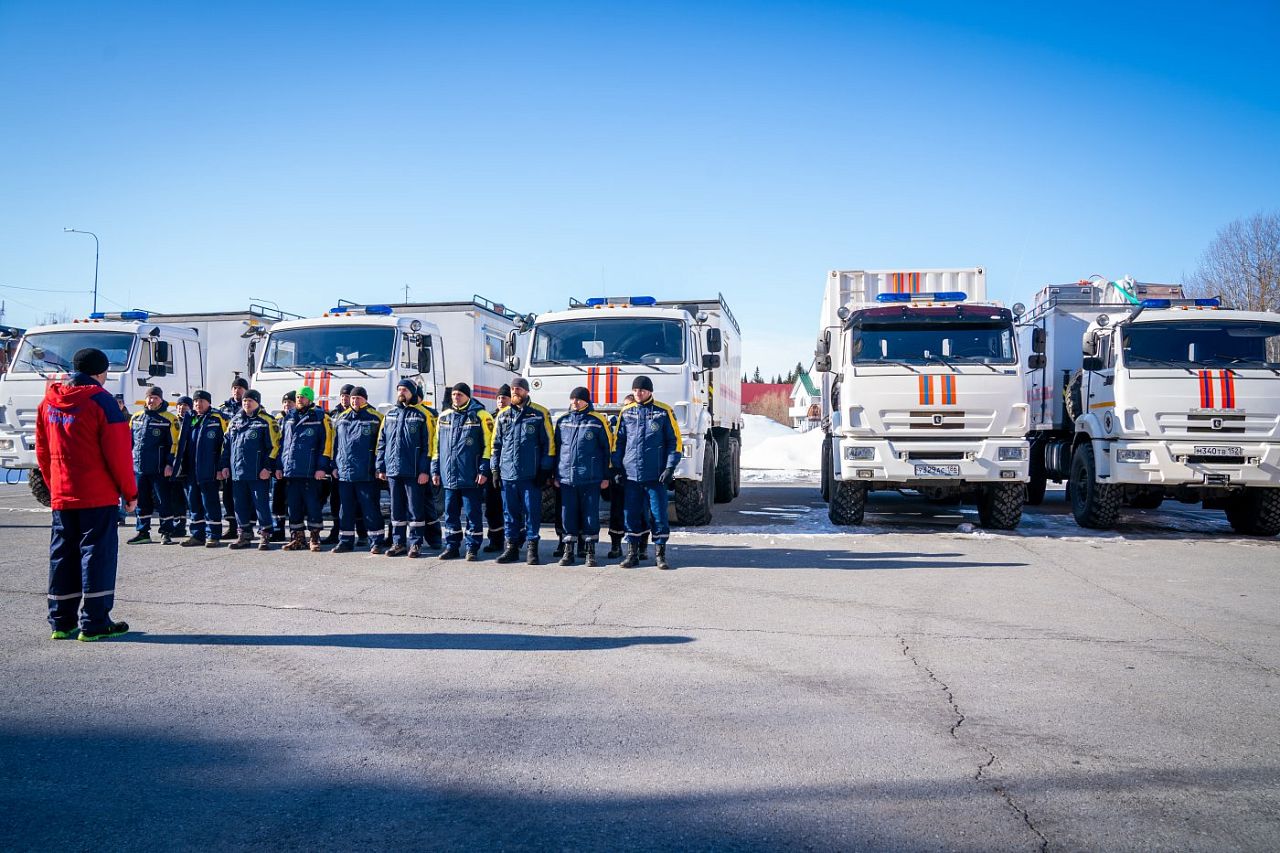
pixel 279 490
pixel 305 456
pixel 523 458
pixel 229 409
pixel 647 451
pixel 585 447
pixel 460 464
pixel 250 455
pixel 200 462
pixel 355 458
pixel 333 494
pixel 404 461
pixel 494 516
pixel 155 440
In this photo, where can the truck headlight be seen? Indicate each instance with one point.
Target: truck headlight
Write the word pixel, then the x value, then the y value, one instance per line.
pixel 1011 454
pixel 1133 455
pixel 6 445
pixel 854 454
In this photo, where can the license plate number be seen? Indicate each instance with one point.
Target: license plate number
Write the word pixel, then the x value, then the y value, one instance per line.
pixel 1217 450
pixel 937 470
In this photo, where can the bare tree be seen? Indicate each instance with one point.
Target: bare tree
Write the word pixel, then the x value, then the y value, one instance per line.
pixel 1242 265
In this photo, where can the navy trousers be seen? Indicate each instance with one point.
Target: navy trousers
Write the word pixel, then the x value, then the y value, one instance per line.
pixel 204 506
pixel 362 497
pixel 580 513
pixel 155 501
pixel 464 502
pixel 305 507
pixel 521 511
pixel 83 545
pixel 646 504
pixel 408 510
pixel 252 497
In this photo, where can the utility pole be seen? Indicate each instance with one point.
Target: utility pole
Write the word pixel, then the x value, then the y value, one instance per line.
pixel 406 293
pixel 96 247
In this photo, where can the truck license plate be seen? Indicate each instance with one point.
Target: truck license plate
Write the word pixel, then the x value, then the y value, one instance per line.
pixel 937 470
pixel 1216 450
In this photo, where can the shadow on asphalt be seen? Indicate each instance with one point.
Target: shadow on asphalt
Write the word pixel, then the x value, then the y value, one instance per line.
pixel 752 557
pixel 412 642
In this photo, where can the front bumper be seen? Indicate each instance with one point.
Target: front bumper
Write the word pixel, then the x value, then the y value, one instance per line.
pixel 1176 463
pixel 17 450
pixel 933 462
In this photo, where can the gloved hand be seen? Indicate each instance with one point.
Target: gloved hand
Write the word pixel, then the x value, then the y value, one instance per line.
pixel 667 477
pixel 619 477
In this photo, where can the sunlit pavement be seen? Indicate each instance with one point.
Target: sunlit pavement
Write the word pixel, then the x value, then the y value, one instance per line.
pixel 915 683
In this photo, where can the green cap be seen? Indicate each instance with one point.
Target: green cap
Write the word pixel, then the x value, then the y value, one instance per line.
pixel 305 391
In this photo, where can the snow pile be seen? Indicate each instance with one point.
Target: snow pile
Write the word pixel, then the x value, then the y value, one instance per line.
pixel 768 445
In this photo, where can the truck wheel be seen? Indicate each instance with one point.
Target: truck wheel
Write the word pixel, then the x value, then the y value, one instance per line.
pixel 39 488
pixel 549 505
pixel 695 499
pixel 1256 512
pixel 737 466
pixel 827 477
pixel 724 470
pixel 1095 505
pixel 1000 505
pixel 848 503
pixel 1039 482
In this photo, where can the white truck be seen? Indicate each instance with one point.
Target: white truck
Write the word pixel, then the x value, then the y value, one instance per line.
pixel 922 391
pixel 436 344
pixel 178 352
pixel 690 349
pixel 1138 394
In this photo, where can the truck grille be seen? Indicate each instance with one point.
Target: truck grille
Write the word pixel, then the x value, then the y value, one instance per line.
pixel 934 455
pixel 1215 460
pixel 1227 423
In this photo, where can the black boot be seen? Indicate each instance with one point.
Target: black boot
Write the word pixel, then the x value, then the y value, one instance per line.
pixel 644 545
pixel 662 557
pixel 510 553
pixel 633 556
pixel 531 554
pixel 616 550
pixel 333 536
pixel 589 554
pixel 559 551
pixel 567 559
pixel 496 544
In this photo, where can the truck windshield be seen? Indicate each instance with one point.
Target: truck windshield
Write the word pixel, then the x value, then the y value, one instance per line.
pixel 612 341
pixel 329 346
pixel 919 342
pixel 1201 344
pixel 46 352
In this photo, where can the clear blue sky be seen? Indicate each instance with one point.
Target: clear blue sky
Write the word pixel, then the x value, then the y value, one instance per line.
pixel 533 151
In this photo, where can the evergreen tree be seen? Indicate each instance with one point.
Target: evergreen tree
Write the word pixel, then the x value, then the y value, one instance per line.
pixel 756 377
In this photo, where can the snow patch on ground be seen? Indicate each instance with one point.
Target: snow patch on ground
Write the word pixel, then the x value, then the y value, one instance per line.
pixel 768 446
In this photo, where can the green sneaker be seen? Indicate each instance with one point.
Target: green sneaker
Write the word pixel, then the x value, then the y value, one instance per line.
pixel 64 635
pixel 115 629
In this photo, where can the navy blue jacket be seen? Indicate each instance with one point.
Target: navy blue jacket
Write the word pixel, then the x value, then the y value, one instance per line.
pixel 307 442
pixel 253 443
pixel 200 446
pixel 462 446
pixel 355 444
pixel 404 445
pixel 523 442
pixel 585 442
pixel 155 439
pixel 648 440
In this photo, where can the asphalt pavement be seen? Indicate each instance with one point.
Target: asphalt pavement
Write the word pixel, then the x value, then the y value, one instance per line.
pixel 916 683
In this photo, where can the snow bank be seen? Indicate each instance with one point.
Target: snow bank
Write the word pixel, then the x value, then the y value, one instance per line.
pixel 768 445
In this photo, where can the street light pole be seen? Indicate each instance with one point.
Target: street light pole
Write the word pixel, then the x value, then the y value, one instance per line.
pixel 96 247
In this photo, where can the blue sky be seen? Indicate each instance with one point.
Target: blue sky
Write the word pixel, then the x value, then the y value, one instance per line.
pixel 532 152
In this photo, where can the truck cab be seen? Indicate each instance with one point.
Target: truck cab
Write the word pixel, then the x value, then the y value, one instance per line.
pixel 922 392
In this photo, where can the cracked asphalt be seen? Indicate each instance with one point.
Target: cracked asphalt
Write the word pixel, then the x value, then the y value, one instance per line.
pixel 909 685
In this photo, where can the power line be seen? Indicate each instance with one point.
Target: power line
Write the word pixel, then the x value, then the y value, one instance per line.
pixel 41 289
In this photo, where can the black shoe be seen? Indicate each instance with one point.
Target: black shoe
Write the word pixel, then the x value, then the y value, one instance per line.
pixel 451 553
pixel 615 551
pixel 231 532
pixel 589 555
pixel 567 559
pixel 244 540
pixel 344 548
pixel 277 535
pixel 472 555
pixel 494 546
pixel 662 557
pixel 415 551
pixel 397 551
pixel 531 554
pixel 332 538
pixel 142 537
pixel 215 542
pixel 510 554
pixel 194 542
pixel 559 551
pixel 166 539
pixel 378 548
pixel 633 556
pixel 115 629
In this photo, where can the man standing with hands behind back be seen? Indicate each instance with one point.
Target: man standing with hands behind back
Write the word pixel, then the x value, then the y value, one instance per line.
pixel 83 449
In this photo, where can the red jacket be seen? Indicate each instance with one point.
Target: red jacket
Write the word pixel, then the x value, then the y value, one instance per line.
pixel 84 447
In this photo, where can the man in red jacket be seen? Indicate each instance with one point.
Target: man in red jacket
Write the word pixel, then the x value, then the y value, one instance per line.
pixel 85 454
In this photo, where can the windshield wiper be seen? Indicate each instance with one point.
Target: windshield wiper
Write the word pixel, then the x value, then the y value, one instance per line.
pixel 333 365
pixel 1236 359
pixel 1166 362
pixel 301 375
pixel 577 367
pixel 941 360
pixel 883 360
pixel 653 367
pixel 975 359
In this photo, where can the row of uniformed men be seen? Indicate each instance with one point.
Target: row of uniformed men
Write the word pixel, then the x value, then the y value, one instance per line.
pixel 412 450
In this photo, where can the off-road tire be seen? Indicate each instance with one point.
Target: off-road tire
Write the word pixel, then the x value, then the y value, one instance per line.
pixel 549 505
pixel 39 488
pixel 695 499
pixel 848 503
pixel 1039 482
pixel 1095 505
pixel 825 467
pixel 1000 505
pixel 1256 512
pixel 724 470
pixel 737 466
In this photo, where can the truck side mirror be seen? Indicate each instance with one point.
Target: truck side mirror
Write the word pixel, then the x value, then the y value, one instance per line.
pixel 424 359
pixel 1090 344
pixel 822 362
pixel 1035 361
pixel 1092 362
pixel 710 361
pixel 509 346
pixel 159 359
pixel 513 364
pixel 1037 340
pixel 713 341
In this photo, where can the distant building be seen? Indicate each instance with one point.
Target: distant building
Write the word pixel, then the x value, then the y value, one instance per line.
pixel 806 403
pixel 768 399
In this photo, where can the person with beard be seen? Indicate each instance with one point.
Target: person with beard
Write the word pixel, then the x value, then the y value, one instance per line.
pixel 355 457
pixel 249 456
pixel 460 464
pixel 404 461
